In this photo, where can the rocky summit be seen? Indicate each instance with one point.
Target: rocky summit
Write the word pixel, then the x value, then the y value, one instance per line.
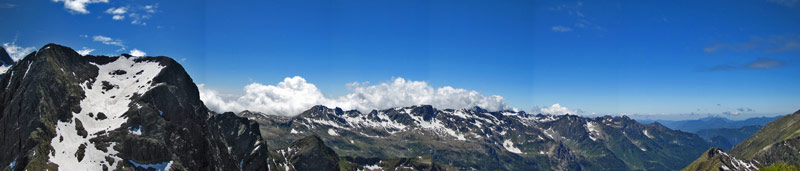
pixel 479 139
pixel 64 111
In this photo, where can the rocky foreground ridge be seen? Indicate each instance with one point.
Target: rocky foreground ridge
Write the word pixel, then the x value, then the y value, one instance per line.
pixel 63 111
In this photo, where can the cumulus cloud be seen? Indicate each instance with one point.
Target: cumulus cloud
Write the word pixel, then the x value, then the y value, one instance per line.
pixel 109 41
pixel 79 6
pixel 138 53
pixel 557 109
pixel 17 52
pixel 85 51
pixel 294 95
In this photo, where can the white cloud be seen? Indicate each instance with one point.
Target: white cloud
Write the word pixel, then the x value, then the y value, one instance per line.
pixel 151 8
pixel 138 53
pixel 143 13
pixel 17 52
pixel 117 11
pixel 295 95
pixel 79 6
pixel 137 14
pixel 556 109
pixel 85 51
pixel 561 29
pixel 109 41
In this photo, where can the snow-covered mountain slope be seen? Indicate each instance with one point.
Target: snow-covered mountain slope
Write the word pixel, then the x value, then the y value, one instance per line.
pixel 479 139
pixel 62 110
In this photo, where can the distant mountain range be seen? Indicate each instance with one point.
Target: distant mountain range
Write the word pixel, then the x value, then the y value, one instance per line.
pixel 718 132
pixel 479 139
pixel 713 122
pixel 726 138
pixel 776 143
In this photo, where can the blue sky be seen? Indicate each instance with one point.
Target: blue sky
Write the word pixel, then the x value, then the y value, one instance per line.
pixel 602 57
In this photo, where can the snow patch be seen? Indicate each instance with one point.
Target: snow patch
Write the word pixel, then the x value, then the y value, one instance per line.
pixel 5 68
pixel 437 127
pixel 593 130
pixel 136 131
pixel 372 167
pixel 647 134
pixel 510 147
pixel 13 163
pixel 332 132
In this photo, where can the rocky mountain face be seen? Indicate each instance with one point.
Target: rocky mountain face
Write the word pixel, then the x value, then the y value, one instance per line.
pixel 479 139
pixel 311 153
pixel 777 142
pixel 716 159
pixel 61 110
pixel 64 111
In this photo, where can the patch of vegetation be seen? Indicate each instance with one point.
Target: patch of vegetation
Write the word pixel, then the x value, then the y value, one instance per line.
pixel 780 167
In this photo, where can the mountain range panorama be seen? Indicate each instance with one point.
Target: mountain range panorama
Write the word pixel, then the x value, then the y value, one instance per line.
pixel 63 110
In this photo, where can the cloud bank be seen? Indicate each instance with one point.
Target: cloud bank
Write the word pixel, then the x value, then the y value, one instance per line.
pixel 294 95
pixel 557 109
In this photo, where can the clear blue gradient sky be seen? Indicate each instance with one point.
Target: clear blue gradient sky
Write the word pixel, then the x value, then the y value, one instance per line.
pixel 603 57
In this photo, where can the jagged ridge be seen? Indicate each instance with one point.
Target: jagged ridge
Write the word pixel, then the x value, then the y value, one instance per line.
pixel 478 139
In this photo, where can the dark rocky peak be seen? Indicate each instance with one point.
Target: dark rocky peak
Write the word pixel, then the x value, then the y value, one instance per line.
pixel 156 116
pixel 316 111
pixel 247 112
pixel 478 109
pixel 310 153
pixel 659 126
pixel 5 59
pixel 243 139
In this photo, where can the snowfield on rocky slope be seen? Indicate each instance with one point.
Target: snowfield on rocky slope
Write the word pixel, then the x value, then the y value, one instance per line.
pixel 110 94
